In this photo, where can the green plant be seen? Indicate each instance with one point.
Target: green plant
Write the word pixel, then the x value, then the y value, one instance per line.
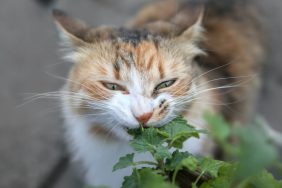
pixel 247 159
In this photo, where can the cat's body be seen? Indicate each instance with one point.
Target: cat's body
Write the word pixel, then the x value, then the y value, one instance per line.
pixel 164 63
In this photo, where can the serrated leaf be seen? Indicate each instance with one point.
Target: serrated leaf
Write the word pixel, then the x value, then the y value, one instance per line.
pixel 161 153
pixel 177 126
pixel 175 160
pixel 179 139
pixel 124 162
pixel 141 145
pixel 146 178
pixel 224 178
pixel 147 140
pixel 178 131
pixel 210 166
pixel 152 137
pixel 132 181
pixel 190 163
pixel 150 179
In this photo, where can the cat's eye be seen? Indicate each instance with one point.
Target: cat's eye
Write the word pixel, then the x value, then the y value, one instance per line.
pixel 113 87
pixel 165 84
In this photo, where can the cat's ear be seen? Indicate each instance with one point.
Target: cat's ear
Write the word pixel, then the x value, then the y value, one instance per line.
pixel 195 32
pixel 189 40
pixel 72 31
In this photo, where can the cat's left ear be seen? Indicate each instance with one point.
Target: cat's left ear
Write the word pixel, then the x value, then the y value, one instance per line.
pixel 72 31
pixel 76 34
pixel 195 32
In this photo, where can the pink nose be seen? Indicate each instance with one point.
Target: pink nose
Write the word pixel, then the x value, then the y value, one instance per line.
pixel 145 117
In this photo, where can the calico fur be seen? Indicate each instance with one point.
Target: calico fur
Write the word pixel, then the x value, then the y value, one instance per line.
pixel 212 58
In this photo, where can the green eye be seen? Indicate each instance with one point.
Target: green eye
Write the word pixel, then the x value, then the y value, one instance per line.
pixel 165 84
pixel 113 87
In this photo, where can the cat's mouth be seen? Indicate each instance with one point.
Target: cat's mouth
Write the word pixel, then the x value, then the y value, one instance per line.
pixel 125 128
pixel 141 126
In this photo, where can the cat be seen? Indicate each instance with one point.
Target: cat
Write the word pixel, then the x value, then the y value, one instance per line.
pixel 174 58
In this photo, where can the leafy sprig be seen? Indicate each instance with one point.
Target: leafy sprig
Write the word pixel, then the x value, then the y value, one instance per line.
pixel 249 157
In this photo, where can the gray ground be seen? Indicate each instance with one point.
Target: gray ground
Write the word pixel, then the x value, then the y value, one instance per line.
pixel 31 135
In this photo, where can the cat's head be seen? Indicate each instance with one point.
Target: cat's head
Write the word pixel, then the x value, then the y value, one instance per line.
pixel 124 77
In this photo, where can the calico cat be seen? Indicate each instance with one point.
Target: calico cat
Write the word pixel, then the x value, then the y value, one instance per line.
pixel 173 59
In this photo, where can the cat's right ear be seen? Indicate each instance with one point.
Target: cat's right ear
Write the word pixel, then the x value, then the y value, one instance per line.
pixel 72 31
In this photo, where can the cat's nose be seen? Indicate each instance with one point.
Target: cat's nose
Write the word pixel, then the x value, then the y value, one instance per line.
pixel 144 118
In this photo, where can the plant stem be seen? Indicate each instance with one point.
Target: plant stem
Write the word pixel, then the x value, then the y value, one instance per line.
pixel 142 127
pixel 198 178
pixel 175 173
pixel 161 165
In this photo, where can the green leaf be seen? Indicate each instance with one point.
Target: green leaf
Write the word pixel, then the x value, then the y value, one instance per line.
pixel 147 140
pixel 161 153
pixel 220 129
pixel 177 126
pixel 152 137
pixel 180 160
pixel 255 151
pixel 210 166
pixel 178 131
pixel 124 162
pixel 146 178
pixel 224 178
pixel 141 145
pixel 262 180
pixel 177 158
pixel 221 182
pixel 132 181
pixel 150 179
pixel 190 163
pixel 178 140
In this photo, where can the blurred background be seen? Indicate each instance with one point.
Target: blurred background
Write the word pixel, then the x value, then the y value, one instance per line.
pixel 32 151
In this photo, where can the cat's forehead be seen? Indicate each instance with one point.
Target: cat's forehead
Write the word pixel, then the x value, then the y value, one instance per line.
pixel 137 53
pixel 134 37
pixel 143 56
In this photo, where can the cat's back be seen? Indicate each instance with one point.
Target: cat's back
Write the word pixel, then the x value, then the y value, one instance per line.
pixel 229 25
